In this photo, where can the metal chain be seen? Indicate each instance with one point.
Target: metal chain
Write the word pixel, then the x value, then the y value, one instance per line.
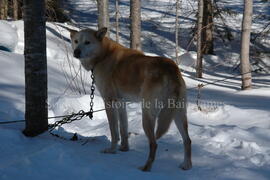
pixel 68 119
pixel 199 96
pixel 76 116
pixel 92 95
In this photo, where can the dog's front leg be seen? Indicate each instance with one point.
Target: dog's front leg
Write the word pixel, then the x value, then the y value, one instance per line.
pixel 123 127
pixel 112 115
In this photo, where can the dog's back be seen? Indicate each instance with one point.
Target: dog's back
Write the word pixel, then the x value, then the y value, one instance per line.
pixel 132 70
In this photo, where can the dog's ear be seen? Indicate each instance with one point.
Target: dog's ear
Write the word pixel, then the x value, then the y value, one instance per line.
pixel 100 34
pixel 72 32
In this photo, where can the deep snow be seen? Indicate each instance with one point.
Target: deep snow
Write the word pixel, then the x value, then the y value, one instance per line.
pixel 230 136
pixel 9 38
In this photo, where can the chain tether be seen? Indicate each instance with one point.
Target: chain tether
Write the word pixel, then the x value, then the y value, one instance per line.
pixel 92 95
pixel 76 116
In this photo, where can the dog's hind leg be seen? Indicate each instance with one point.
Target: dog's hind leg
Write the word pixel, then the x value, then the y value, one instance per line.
pixel 123 127
pixel 149 129
pixel 182 125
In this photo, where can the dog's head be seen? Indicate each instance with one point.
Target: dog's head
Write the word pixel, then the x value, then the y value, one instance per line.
pixel 86 44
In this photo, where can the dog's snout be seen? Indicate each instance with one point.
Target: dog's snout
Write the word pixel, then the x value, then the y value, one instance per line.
pixel 77 53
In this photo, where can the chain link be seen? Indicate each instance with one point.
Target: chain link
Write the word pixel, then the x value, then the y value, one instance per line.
pixel 199 96
pixel 92 95
pixel 76 116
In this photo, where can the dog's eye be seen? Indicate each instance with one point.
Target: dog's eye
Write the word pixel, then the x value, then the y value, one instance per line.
pixel 86 42
pixel 76 41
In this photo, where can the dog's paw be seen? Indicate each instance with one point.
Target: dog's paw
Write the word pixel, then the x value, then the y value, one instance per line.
pixel 124 148
pixel 186 165
pixel 145 168
pixel 108 151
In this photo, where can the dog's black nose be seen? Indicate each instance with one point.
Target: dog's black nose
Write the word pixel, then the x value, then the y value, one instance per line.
pixel 77 53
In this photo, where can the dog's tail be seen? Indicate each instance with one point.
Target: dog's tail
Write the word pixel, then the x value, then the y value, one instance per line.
pixel 165 118
pixel 172 106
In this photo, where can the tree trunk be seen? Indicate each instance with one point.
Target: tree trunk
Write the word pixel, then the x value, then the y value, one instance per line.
pixel 15 9
pixel 3 9
pixel 245 41
pixel 207 31
pixel 103 15
pixel 177 31
pixel 36 112
pixel 199 68
pixel 6 9
pixel 20 10
pixel 135 30
pixel 117 20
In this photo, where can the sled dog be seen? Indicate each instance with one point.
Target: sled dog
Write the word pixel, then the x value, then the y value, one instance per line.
pixel 127 75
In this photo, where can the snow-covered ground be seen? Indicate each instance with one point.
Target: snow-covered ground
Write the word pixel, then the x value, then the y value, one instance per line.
pixel 230 136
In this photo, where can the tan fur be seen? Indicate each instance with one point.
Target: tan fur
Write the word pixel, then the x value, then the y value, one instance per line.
pixel 122 75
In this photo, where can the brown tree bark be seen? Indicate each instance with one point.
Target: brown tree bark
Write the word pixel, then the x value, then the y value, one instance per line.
pixel 36 110
pixel 135 23
pixel 3 9
pixel 207 31
pixel 15 10
pixel 199 66
pixel 245 45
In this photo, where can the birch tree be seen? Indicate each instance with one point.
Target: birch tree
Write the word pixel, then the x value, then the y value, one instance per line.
pixel 135 23
pixel 199 40
pixel 117 20
pixel 103 15
pixel 245 41
pixel 36 110
pixel 177 31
